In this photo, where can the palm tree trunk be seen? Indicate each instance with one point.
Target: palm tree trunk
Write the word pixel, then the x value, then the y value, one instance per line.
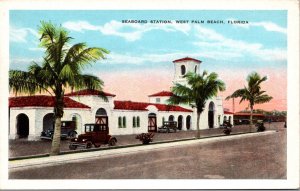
pixel 251 117
pixel 198 125
pixel 55 148
pixel 58 112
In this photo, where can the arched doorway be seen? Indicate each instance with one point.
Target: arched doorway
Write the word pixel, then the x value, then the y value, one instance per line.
pixel 152 126
pixel 102 119
pixel 171 118
pixel 180 122
pixel 48 121
pixel 211 109
pixel 188 122
pixel 22 125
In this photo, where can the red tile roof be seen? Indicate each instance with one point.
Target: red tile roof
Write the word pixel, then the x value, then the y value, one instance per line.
pixel 141 106
pixel 187 59
pixel 162 94
pixel 88 92
pixel 248 114
pixel 42 101
pixel 228 112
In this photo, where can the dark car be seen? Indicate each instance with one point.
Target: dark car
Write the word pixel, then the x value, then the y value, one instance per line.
pixel 67 131
pixel 168 127
pixel 95 134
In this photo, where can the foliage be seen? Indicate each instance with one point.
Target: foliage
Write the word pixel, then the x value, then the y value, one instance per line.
pixel 199 88
pixel 252 93
pixel 146 138
pixel 60 70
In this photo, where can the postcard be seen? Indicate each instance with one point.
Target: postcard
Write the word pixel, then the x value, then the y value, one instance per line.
pixel 149 95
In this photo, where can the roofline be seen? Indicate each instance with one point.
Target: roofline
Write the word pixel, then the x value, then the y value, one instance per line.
pixel 187 58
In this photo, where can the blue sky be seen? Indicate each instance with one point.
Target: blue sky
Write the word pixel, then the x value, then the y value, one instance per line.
pixel 262 42
pixel 228 49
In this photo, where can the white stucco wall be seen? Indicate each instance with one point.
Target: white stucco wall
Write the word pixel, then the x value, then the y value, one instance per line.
pixel 36 116
pixel 189 66
pixel 163 99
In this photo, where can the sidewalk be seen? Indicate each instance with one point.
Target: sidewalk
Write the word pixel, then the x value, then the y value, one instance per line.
pixel 44 161
pixel 19 148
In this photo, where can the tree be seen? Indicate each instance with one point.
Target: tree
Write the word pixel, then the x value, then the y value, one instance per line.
pixel 61 69
pixel 252 93
pixel 198 90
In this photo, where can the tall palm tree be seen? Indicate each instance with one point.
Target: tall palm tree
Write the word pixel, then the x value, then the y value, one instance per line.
pixel 252 93
pixel 199 88
pixel 60 70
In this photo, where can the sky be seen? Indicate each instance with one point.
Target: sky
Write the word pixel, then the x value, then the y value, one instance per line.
pixel 141 54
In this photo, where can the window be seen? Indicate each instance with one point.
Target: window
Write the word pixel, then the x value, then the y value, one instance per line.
pixel 157 100
pixel 182 69
pixel 138 121
pixel 133 122
pixel 196 69
pixel 124 122
pixel 120 122
pixel 163 120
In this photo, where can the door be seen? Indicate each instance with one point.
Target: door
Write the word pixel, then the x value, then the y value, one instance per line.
pixel 152 126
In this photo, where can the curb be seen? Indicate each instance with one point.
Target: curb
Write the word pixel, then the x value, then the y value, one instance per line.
pixel 121 146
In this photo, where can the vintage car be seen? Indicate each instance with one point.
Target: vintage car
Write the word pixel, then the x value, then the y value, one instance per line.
pixel 95 134
pixel 168 127
pixel 67 131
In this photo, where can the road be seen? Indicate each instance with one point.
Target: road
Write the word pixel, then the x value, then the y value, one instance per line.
pixel 252 157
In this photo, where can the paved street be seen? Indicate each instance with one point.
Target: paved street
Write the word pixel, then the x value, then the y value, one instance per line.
pixel 251 156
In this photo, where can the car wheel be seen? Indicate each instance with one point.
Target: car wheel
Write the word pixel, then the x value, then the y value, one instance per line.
pixel 88 145
pixel 112 142
pixel 97 146
pixel 72 147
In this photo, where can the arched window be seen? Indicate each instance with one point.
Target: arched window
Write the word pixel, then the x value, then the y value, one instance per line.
pixel 138 121
pixel 134 122
pixel 163 120
pixel 120 122
pixel 183 70
pixel 224 119
pixel 196 69
pixel 171 118
pixel 124 122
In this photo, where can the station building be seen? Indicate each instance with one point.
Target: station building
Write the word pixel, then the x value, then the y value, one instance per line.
pixel 30 115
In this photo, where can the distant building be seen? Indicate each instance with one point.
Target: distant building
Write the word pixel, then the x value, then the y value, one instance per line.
pixel 30 115
pixel 244 118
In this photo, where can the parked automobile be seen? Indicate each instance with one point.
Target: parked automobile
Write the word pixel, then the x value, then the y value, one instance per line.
pixel 67 131
pixel 168 127
pixel 95 134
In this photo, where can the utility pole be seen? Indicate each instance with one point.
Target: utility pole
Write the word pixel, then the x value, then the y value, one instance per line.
pixel 233 105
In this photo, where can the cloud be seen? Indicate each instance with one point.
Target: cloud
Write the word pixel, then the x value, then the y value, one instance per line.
pixel 79 26
pixel 216 43
pixel 20 35
pixel 128 31
pixel 269 26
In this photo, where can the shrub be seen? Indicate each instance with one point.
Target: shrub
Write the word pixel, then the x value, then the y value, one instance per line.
pixel 146 138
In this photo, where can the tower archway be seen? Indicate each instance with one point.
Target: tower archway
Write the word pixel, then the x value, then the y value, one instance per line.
pixel 211 109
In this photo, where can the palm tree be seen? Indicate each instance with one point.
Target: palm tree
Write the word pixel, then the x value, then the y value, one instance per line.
pixel 198 90
pixel 59 71
pixel 253 93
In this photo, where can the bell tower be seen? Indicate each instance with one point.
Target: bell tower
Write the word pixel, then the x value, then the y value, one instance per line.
pixel 183 66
